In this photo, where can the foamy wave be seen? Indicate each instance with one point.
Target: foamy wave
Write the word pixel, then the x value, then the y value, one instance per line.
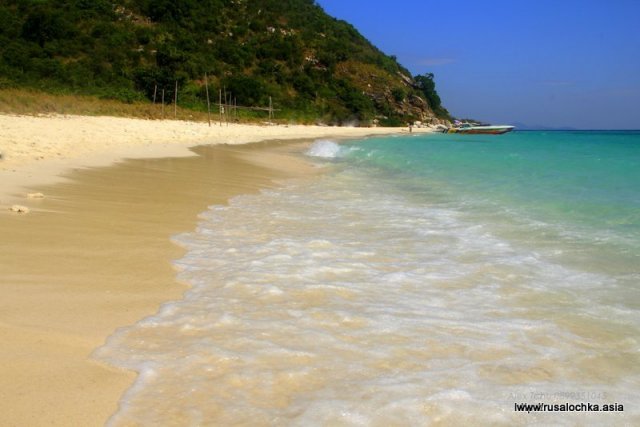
pixel 343 302
pixel 324 148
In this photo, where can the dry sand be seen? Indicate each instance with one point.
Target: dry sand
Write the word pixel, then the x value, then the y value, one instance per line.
pixel 94 254
pixel 37 149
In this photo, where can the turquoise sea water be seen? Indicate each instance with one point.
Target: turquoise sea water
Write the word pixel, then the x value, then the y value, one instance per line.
pixel 578 191
pixel 421 280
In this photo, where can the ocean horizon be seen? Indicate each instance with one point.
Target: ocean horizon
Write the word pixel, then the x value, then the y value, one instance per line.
pixel 420 279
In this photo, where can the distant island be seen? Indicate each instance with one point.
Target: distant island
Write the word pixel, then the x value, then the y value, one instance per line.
pixel 289 56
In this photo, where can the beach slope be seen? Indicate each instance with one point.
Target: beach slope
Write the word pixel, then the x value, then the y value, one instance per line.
pixel 94 253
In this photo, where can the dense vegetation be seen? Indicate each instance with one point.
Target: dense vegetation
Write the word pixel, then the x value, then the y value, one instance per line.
pixel 310 64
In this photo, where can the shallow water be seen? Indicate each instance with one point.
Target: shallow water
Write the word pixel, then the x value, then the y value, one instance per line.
pixel 429 280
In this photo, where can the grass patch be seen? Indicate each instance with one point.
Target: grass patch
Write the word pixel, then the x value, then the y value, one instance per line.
pixel 32 102
pixel 23 101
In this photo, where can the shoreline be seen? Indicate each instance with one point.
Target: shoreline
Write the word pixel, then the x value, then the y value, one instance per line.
pixel 37 150
pixel 95 253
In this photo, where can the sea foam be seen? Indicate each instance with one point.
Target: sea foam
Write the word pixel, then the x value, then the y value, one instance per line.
pixel 350 300
pixel 324 148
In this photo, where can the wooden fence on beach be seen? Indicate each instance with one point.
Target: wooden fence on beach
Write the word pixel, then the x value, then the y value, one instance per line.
pixel 227 104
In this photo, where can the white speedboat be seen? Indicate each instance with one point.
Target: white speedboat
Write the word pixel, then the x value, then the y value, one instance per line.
pixel 480 129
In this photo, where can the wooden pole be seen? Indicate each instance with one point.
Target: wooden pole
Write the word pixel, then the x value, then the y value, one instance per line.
pixel 206 85
pixel 226 106
pixel 220 104
pixel 163 103
pixel 270 110
pixel 155 91
pixel 175 101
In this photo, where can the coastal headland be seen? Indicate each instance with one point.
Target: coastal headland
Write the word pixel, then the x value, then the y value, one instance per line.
pixel 104 196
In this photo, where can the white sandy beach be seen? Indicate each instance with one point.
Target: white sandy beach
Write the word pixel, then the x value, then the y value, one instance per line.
pixel 36 149
pixel 94 254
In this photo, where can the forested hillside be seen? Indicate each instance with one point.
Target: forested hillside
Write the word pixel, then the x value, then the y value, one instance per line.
pixel 313 66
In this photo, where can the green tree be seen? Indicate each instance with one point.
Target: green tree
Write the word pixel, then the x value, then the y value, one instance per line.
pixel 45 24
pixel 247 90
pixel 427 86
pixel 288 49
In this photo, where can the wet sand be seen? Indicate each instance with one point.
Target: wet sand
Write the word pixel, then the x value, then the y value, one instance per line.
pixel 94 255
pixel 36 149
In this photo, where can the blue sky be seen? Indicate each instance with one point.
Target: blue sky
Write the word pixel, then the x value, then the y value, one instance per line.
pixel 560 63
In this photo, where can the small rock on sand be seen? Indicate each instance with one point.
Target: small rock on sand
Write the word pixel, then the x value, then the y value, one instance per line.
pixel 19 209
pixel 35 195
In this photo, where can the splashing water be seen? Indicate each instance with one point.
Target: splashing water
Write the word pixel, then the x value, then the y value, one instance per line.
pixel 383 294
